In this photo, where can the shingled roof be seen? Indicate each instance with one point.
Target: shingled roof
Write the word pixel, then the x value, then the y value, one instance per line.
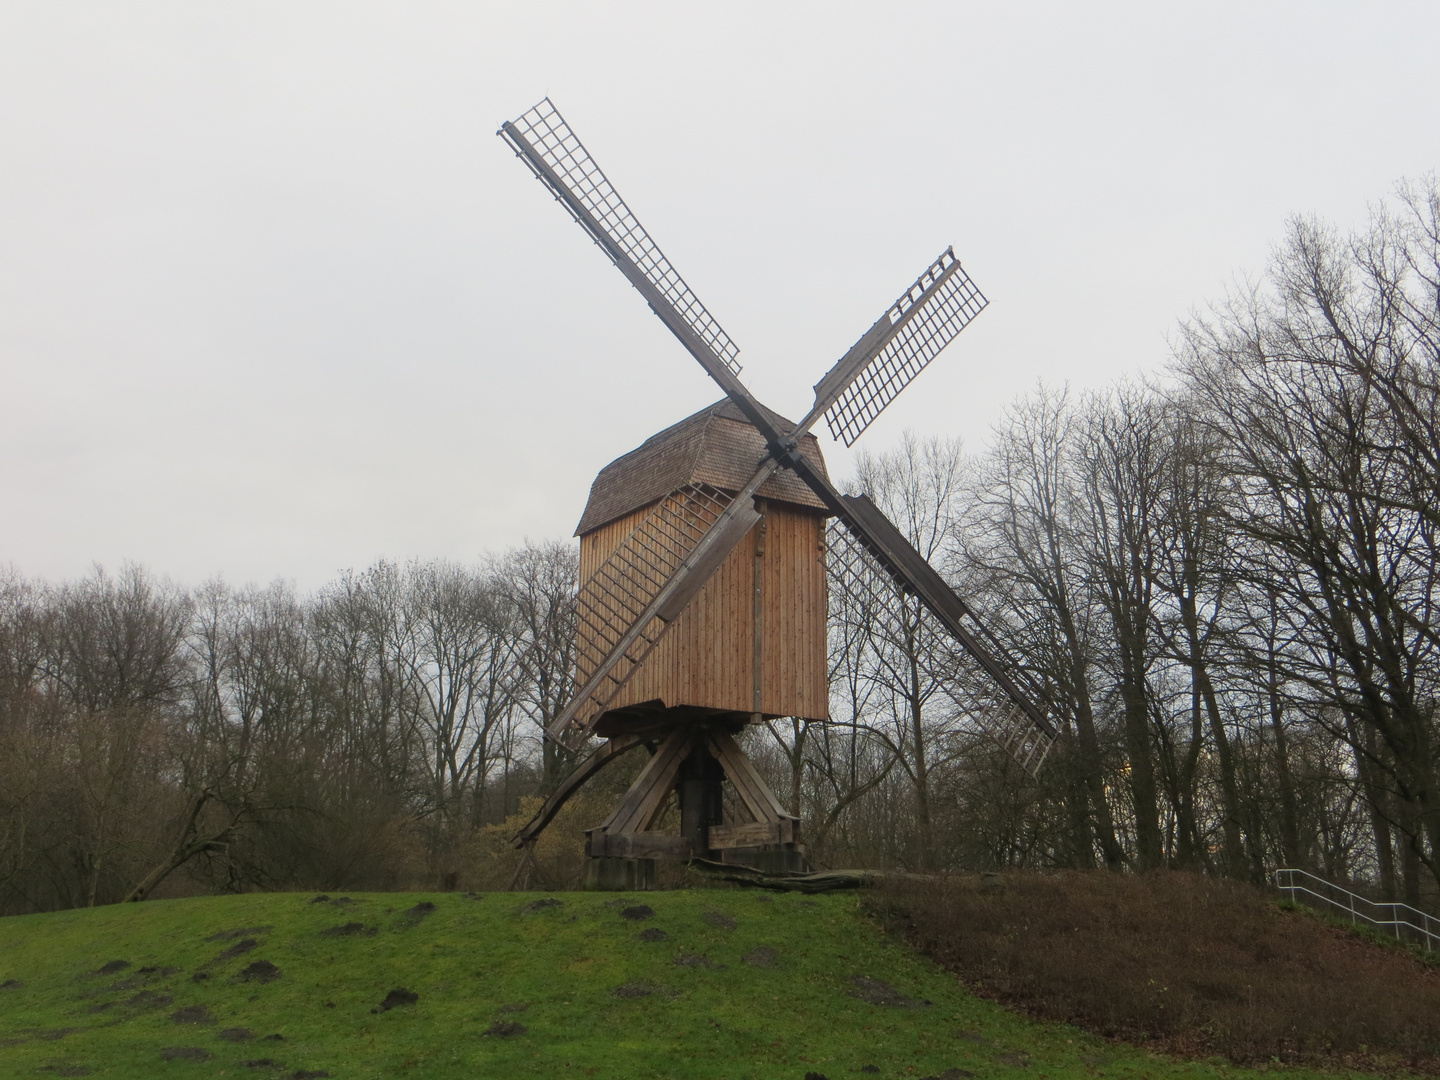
pixel 715 446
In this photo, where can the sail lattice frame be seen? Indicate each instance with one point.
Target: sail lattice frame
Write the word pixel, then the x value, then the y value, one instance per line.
pixel 944 314
pixel 605 212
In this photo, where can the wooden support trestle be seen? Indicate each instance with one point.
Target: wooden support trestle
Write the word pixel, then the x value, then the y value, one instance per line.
pixel 693 757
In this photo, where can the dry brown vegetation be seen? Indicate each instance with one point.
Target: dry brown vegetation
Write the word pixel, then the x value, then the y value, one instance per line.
pixel 1189 964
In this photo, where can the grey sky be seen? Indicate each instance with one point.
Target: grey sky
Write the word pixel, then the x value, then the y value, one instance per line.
pixel 274 301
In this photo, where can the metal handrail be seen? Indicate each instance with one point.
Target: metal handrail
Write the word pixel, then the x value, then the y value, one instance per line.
pixel 1396 918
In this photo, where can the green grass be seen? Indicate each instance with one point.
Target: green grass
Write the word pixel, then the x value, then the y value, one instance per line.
pixel 472 957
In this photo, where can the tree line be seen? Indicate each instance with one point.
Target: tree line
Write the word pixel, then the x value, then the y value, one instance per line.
pixel 1220 579
pixel 1223 580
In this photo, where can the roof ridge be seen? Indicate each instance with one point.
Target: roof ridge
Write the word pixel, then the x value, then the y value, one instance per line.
pixel 694 449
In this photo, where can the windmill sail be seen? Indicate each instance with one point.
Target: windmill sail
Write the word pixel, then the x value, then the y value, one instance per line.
pixel 878 594
pixel 910 334
pixel 544 141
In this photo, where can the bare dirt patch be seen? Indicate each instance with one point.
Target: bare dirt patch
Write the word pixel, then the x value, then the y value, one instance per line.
pixel 237 1034
pixel 761 956
pixel 11 984
pixel 184 1053
pixel 396 998
pixel 240 948
pixel 695 960
pixel 637 912
pixel 417 914
pixel 350 929
pixel 720 920
pixel 540 905
pixel 150 999
pixel 112 967
pixel 875 992
pixel 244 931
pixel 261 971
pixel 504 1029
pixel 654 933
pixel 633 990
pixel 191 1014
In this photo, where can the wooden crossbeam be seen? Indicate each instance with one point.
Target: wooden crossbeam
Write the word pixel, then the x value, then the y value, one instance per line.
pixel 645 797
pixel 608 752
pixel 759 801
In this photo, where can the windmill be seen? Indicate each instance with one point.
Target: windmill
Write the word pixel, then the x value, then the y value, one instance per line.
pixel 682 531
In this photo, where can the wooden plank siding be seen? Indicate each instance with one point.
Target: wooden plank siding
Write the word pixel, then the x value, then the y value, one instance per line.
pixel 708 657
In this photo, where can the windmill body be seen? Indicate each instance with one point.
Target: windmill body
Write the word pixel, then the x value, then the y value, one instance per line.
pixel 702 602
pixel 752 640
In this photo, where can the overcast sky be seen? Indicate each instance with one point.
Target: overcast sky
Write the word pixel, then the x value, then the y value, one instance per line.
pixel 274 300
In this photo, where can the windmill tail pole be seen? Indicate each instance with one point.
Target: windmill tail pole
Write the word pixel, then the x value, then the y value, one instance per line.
pixel 824 881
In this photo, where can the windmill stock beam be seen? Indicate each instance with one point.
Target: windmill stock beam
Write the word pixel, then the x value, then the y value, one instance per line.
pixel 915 575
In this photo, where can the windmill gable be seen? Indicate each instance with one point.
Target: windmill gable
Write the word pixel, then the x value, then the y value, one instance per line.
pixel 715 446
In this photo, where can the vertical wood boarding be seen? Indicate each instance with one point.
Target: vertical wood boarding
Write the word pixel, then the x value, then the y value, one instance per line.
pixel 708 657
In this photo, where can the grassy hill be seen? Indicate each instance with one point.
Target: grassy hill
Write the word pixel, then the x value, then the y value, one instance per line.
pixel 701 983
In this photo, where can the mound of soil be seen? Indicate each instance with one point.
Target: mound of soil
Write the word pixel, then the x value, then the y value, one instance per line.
pixel 395 998
pixel 11 984
pixel 762 956
pixel 240 948
pixel 720 920
pixel 633 990
pixel 261 971
pixel 184 1053
pixel 697 961
pixel 191 1014
pixel 420 911
pixel 244 931
pixel 654 933
pixel 150 999
pixel 541 904
pixel 1190 964
pixel 637 912
pixel 349 929
pixel 237 1034
pixel 504 1029
pixel 112 967
pixel 876 992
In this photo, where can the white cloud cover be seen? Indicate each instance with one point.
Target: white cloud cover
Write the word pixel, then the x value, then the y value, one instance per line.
pixel 274 301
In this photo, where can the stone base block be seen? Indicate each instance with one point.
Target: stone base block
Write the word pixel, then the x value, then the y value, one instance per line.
pixel 608 874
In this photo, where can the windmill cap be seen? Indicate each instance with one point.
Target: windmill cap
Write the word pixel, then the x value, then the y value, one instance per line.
pixel 715 446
